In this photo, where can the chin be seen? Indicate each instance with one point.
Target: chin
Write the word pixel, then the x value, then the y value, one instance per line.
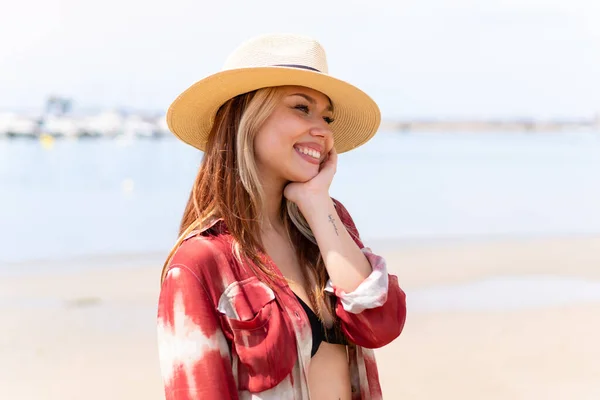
pixel 303 177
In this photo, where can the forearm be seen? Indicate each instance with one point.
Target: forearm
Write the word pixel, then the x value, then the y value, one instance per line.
pixel 345 262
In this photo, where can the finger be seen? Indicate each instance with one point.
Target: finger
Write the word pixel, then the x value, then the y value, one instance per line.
pixel 325 161
pixel 331 163
pixel 332 158
pixel 333 155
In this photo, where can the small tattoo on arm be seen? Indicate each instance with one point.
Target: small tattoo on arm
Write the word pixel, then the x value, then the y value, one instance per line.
pixel 332 220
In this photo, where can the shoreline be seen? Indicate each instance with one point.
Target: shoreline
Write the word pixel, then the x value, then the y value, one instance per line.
pixel 385 245
pixel 155 128
pixel 434 272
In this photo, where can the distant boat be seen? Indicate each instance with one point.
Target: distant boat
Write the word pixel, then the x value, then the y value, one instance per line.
pixel 13 125
pixel 161 125
pixel 62 126
pixel 106 124
pixel 136 126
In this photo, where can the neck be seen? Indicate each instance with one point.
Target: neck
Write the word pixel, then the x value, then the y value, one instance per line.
pixel 271 218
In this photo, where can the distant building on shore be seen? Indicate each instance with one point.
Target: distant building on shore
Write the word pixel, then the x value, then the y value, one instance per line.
pixel 499 125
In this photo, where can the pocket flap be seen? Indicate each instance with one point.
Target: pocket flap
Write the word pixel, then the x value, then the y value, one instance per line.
pixel 244 299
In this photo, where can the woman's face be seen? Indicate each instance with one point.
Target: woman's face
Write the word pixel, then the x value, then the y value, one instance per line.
pixel 296 137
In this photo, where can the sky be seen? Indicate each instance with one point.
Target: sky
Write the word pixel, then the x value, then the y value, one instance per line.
pixel 416 58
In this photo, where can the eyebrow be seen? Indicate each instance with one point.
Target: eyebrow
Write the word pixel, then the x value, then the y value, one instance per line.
pixel 312 101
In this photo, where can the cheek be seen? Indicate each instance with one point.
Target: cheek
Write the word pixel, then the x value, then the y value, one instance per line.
pixel 270 150
pixel 278 135
pixel 286 126
pixel 267 142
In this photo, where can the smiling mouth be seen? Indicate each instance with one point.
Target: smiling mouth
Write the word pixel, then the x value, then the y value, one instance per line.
pixel 309 152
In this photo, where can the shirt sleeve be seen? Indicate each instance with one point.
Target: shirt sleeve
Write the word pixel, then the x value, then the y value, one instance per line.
pixel 193 352
pixel 374 313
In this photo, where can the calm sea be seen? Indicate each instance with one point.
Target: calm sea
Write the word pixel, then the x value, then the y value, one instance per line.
pixel 101 197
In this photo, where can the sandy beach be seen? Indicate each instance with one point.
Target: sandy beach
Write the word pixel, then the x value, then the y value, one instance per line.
pixel 90 333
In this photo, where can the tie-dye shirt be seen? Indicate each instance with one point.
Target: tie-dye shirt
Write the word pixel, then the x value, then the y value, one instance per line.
pixel 224 334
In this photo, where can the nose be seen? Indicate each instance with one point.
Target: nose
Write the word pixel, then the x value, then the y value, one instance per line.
pixel 322 131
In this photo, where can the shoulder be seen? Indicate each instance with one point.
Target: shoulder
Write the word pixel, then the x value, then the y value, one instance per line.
pixel 198 251
pixel 209 258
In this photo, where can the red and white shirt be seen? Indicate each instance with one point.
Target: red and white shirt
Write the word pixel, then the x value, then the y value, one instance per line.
pixel 224 334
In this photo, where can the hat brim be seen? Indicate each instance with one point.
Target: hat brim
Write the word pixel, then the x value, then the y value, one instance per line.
pixel 191 116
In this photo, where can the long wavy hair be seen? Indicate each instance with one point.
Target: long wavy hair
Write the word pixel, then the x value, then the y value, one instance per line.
pixel 227 186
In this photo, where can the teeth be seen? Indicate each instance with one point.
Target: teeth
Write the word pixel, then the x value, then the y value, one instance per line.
pixel 309 152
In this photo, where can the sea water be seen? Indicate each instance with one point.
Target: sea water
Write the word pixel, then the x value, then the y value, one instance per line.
pixel 102 197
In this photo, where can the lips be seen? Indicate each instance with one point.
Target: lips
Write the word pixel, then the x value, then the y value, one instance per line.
pixel 310 155
pixel 316 154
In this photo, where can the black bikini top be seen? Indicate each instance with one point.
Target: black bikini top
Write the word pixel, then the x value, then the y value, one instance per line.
pixel 319 332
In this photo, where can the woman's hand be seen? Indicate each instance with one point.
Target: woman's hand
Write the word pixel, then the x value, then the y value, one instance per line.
pixel 316 190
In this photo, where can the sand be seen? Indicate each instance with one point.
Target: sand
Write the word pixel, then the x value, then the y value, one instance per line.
pixel 90 334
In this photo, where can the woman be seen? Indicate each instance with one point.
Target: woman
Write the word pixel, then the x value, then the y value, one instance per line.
pixel 269 292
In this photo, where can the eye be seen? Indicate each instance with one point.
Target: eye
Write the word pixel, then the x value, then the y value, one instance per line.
pixel 329 120
pixel 302 107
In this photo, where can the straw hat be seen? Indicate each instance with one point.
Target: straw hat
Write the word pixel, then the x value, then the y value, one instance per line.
pixel 274 60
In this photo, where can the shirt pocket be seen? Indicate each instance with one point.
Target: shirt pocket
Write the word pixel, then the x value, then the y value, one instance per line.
pixel 263 340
